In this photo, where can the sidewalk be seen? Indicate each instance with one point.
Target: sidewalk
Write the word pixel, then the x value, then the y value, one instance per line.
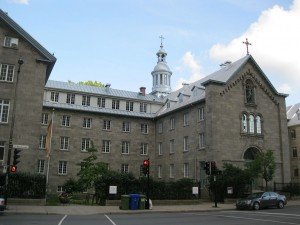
pixel 89 210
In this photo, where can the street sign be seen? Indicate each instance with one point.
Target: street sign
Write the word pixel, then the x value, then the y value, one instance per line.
pixel 21 146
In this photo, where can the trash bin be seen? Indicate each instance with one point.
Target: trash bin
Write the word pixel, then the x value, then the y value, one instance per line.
pixel 125 202
pixel 134 201
pixel 142 202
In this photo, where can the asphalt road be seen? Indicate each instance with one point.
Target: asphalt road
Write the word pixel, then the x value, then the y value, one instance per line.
pixel 289 215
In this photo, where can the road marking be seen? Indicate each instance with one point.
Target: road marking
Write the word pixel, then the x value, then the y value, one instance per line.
pixel 62 220
pixel 112 222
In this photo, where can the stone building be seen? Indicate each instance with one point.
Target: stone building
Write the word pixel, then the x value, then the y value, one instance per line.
pixel 226 117
pixel 293 115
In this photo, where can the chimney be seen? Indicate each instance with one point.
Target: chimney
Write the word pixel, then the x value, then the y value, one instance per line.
pixel 142 91
pixel 225 64
pixel 107 85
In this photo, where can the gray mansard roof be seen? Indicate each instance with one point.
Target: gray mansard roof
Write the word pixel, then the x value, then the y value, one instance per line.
pixel 292 115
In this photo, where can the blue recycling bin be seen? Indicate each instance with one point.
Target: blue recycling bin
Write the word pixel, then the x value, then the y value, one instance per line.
pixel 134 201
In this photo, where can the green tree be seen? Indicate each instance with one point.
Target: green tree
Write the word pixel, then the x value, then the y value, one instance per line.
pixel 89 82
pixel 262 166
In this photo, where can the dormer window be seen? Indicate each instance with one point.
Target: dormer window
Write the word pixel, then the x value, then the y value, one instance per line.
pixel 11 42
pixel 180 97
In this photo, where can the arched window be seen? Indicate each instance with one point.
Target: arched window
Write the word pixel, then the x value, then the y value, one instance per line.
pixel 258 125
pixel 251 124
pixel 249 92
pixel 244 123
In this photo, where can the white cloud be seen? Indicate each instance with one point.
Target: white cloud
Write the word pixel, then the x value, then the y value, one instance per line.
pixel 275 45
pixel 189 65
pixel 22 2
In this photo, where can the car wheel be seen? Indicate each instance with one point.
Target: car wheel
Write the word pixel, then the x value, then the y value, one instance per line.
pixel 280 205
pixel 256 206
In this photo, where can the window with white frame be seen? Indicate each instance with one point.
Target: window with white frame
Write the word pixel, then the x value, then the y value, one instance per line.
pixel 258 124
pixel 85 144
pixel 60 189
pixel 172 170
pixel 65 121
pixel 125 147
pixel 87 122
pixel 160 127
pixel 126 126
pixel 201 140
pixel 160 150
pixel 129 106
pixel 11 42
pixel 185 170
pixel 64 143
pixel 101 102
pixel 86 100
pixel 143 107
pixel 44 118
pixel 144 128
pixel 159 171
pixel 172 123
pixel 144 149
pixel 115 104
pixel 7 72
pixel 201 114
pixel 62 167
pixel 125 168
pixel 42 144
pixel 70 98
pixel 251 124
pixel 172 146
pixel 106 146
pixel 106 125
pixel 4 109
pixel 41 166
pixel 185 119
pixel 54 96
pixel 185 143
pixel 2 149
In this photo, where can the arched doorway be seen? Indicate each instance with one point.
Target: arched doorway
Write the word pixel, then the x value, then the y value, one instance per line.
pixel 249 155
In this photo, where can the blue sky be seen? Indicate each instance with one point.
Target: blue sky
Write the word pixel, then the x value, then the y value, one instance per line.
pixel 115 41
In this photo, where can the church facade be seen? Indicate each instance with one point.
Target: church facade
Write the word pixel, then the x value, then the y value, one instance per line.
pixel 226 117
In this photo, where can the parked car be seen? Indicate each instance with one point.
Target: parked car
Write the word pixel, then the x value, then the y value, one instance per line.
pixel 261 200
pixel 2 204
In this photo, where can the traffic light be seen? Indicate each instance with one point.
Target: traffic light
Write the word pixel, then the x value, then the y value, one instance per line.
pixel 146 165
pixel 13 169
pixel 16 157
pixel 213 167
pixel 207 167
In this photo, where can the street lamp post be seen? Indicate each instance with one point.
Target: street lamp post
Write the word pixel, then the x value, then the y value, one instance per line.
pixel 10 143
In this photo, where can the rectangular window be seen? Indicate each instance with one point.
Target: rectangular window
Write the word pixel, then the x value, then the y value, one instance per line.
pixel 41 166
pixel 125 147
pixel 115 104
pixel 144 128
pixel 106 125
pixel 42 144
pixel 296 172
pixel 160 127
pixel 172 146
pixel 11 42
pixel 201 114
pixel 143 107
pixel 129 106
pixel 7 72
pixel 144 149
pixel 293 133
pixel 105 146
pixel 201 140
pixel 185 143
pixel 86 100
pixel 185 170
pixel 54 96
pixel 65 121
pixel 185 119
pixel 159 168
pixel 87 122
pixel 160 150
pixel 101 102
pixel 172 171
pixel 124 168
pixel 62 167
pixel 295 152
pixel 4 109
pixel 60 189
pixel 85 144
pixel 172 123
pixel 44 119
pixel 70 99
pixel 126 126
pixel 2 149
pixel 64 143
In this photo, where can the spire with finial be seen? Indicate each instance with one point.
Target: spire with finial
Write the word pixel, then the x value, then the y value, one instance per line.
pixel 247 43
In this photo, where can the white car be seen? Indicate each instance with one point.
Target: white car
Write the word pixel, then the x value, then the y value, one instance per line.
pixel 2 204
